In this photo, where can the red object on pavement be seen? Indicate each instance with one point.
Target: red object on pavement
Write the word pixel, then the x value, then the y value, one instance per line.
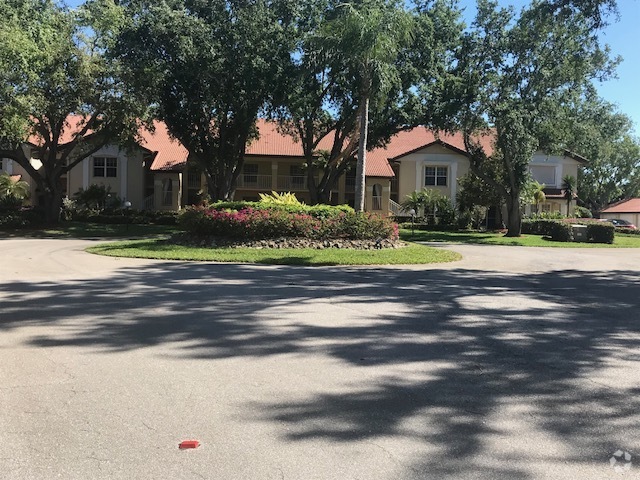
pixel 189 444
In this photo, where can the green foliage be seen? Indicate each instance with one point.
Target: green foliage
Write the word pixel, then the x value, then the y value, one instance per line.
pixel 274 223
pixel 508 79
pixel 607 139
pixel 275 198
pixel 560 231
pixel 57 87
pixel 366 38
pixel 599 232
pixel 319 211
pixel 569 184
pixel 582 212
pixel 546 215
pixel 539 226
pixel 428 203
pixel 96 197
pixel 13 190
pixel 209 67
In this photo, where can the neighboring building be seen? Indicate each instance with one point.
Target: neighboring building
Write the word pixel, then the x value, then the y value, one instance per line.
pixel 625 210
pixel 156 174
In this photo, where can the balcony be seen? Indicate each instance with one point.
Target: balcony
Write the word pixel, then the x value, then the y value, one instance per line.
pixel 284 183
pixel 254 181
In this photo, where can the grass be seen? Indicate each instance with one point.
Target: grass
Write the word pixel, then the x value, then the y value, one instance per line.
pixel 93 230
pixel 163 250
pixel 486 238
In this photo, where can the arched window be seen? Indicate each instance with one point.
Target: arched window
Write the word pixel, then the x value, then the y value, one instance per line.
pixel 167 192
pixel 377 197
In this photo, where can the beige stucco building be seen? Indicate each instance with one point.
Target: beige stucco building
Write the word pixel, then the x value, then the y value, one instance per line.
pixel 157 173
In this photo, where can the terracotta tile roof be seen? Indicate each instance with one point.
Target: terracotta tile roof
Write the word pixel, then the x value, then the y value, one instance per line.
pixel 74 123
pixel 171 154
pixel 409 141
pixel 626 206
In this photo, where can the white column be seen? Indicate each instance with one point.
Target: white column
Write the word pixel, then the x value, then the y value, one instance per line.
pixel 124 193
pixel 85 173
pixel 453 178
pixel 419 178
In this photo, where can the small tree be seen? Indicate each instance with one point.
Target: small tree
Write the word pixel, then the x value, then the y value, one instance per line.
pixel 569 190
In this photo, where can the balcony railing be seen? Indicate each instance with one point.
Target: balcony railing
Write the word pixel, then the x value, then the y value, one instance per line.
pixel 284 183
pixel 258 182
pixel 292 183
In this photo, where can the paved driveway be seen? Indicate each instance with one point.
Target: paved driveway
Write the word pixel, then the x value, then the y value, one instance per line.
pixel 515 363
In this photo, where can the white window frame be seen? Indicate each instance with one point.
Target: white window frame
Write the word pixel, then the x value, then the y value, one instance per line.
pixel 105 167
pixel 440 173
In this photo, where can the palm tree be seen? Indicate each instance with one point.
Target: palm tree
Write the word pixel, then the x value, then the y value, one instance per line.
pixel 538 195
pixel 569 187
pixel 365 38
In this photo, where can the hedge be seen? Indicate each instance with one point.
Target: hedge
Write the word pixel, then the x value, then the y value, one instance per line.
pixel 252 223
pixel 318 211
pixel 598 232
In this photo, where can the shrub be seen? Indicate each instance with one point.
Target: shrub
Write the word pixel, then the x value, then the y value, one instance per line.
pixel 271 223
pixel 582 212
pixel 319 211
pixel 538 226
pixel 96 197
pixel 598 232
pixel 275 198
pixel 628 231
pixel 561 231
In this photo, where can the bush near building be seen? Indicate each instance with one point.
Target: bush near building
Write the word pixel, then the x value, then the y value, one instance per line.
pixel 252 223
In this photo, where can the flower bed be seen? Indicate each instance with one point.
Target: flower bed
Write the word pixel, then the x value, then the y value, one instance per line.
pixel 252 224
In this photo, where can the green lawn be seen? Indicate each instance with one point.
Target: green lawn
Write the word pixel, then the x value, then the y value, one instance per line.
pixel 621 240
pixel 161 249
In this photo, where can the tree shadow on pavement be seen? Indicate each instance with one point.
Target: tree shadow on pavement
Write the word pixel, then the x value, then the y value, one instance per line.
pixel 457 348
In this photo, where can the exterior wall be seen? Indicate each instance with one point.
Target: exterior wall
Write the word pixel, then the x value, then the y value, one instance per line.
pixel 549 170
pixel 128 184
pixel 380 205
pixel 412 170
pixel 163 198
pixel 555 166
pixel 630 217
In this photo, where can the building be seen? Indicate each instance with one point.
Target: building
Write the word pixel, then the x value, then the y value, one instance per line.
pixel 156 174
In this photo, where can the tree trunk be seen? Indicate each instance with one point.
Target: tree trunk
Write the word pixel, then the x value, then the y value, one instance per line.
pixel 514 217
pixel 311 183
pixel 52 203
pixel 362 157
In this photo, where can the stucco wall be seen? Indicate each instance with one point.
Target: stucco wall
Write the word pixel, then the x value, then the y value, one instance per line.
pixel 412 170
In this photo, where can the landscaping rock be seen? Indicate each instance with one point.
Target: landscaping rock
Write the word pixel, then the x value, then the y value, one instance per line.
pixel 287 242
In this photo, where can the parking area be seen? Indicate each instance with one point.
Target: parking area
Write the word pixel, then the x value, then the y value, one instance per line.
pixel 514 363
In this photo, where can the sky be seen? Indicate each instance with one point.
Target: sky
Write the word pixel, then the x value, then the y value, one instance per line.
pixel 621 35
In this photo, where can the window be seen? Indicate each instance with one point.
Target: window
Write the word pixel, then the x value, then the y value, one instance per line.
pixel 377 197
pixel 436 176
pixel 167 192
pixel 296 173
pixel 105 167
pixel 250 173
pixel 544 174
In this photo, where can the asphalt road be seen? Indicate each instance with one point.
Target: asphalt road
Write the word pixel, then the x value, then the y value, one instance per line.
pixel 514 363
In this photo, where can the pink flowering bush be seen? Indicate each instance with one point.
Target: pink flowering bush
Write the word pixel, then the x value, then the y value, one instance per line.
pixel 249 223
